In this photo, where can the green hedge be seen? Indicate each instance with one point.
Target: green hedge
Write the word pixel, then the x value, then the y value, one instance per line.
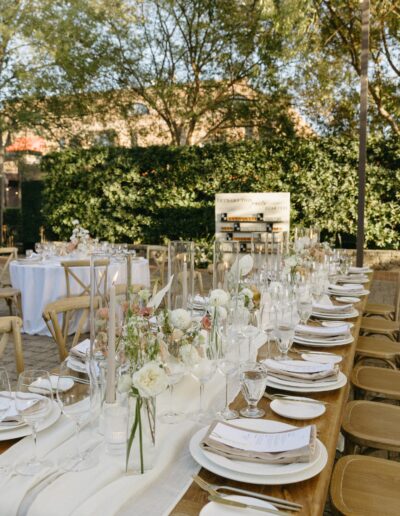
pixel 148 194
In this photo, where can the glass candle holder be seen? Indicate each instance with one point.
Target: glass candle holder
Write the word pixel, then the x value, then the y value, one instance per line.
pixel 181 267
pixel 115 428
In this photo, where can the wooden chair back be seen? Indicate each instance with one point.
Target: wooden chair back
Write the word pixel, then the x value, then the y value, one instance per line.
pixel 394 277
pixel 72 276
pixel 7 255
pixel 12 326
pixel 157 256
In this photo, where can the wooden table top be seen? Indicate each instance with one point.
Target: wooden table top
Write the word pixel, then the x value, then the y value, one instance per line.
pixel 312 493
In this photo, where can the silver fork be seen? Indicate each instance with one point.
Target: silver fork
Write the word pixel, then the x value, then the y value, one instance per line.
pixel 214 490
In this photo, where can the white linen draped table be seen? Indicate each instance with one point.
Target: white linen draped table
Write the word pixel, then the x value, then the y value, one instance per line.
pixel 106 489
pixel 41 283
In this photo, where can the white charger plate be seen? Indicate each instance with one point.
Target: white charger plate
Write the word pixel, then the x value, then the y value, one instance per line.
pixel 64 385
pixel 254 468
pixel 296 409
pixel 23 431
pixel 341 381
pixel 200 457
pixel 333 324
pixel 217 509
pixel 357 293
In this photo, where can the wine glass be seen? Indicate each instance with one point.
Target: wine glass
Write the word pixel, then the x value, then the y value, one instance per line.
pixel 39 249
pixel 33 401
pixel 304 305
pixel 175 371
pixel 266 322
pixel 74 398
pixel 228 364
pixel 286 320
pixel 253 381
pixel 5 403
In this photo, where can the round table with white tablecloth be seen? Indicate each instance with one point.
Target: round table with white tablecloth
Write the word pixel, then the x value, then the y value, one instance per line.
pixel 41 283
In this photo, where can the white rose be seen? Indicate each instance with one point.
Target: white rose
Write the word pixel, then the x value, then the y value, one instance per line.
pixel 291 261
pixel 245 265
pixel 219 297
pixel 150 380
pixel 247 293
pixel 222 313
pixel 124 383
pixel 180 319
pixel 189 355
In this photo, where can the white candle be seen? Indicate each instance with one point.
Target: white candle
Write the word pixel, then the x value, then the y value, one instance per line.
pixel 184 285
pixel 110 387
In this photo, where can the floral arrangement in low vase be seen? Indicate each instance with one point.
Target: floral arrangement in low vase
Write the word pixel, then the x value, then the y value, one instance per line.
pixel 80 238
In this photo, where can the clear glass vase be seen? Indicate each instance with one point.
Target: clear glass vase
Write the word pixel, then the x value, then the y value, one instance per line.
pixel 141 443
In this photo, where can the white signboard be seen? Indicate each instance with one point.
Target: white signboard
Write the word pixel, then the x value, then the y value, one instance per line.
pixel 238 215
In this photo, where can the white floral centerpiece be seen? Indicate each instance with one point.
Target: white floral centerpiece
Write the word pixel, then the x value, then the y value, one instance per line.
pixel 80 238
pixel 144 377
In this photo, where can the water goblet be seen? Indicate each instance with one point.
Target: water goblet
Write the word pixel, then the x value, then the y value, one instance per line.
pixel 5 404
pixel 253 381
pixel 304 307
pixel 286 320
pixel 33 401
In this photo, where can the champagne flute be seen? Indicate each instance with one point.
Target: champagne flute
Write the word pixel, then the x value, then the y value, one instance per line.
pixel 175 371
pixel 33 401
pixel 75 402
pixel 228 364
pixel 253 381
pixel 202 368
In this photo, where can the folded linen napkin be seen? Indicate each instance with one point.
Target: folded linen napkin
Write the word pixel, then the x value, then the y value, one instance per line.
pixel 81 349
pixel 326 305
pixel 287 447
pixel 321 331
pixel 308 372
pixel 359 270
pixel 11 417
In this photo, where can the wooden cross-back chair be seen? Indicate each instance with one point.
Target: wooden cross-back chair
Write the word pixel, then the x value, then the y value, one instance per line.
pixel 12 296
pixel 12 326
pixel 71 276
pixel 157 256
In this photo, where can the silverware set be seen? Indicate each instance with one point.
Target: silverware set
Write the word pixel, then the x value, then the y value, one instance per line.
pixel 284 397
pixel 216 496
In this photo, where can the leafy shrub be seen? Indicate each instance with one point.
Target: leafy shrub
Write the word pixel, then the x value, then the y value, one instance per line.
pixel 149 194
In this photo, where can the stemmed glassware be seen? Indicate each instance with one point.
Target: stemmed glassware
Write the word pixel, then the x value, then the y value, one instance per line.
pixel 253 381
pixel 304 304
pixel 286 320
pixel 266 322
pixel 74 396
pixel 228 365
pixel 202 369
pixel 33 401
pixel 5 403
pixel 175 371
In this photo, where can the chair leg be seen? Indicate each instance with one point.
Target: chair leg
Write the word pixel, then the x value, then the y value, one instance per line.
pixel 9 303
pixel 58 336
pixel 81 323
pixel 19 357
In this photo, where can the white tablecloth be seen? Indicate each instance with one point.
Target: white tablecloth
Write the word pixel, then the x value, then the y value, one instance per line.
pixel 44 282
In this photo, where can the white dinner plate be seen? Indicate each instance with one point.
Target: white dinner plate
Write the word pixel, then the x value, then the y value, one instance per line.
pixel 357 293
pixel 23 431
pixel 345 299
pixel 65 385
pixel 325 315
pixel 299 383
pixel 360 280
pixel 322 359
pixel 254 468
pixel 341 381
pixel 323 343
pixel 218 509
pixel 297 409
pixel 200 457
pixel 333 324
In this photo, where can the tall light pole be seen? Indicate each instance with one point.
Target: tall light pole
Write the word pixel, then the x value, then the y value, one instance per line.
pixel 362 155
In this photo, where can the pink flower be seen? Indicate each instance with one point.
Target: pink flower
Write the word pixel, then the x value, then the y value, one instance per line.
pixel 102 313
pixel 206 322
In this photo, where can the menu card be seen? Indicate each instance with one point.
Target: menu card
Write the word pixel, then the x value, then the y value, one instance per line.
pixel 286 447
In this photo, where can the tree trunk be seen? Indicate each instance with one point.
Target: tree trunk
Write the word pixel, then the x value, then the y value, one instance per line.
pixel 2 181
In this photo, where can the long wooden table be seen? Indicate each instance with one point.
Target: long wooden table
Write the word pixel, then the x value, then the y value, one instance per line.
pixel 312 493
